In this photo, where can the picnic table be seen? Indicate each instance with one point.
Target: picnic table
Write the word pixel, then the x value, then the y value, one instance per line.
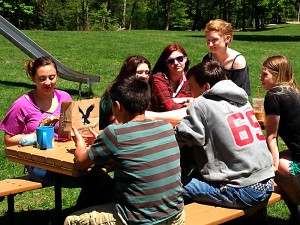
pixel 59 159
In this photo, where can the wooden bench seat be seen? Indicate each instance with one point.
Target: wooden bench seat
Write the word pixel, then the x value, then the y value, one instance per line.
pixel 201 214
pixel 10 187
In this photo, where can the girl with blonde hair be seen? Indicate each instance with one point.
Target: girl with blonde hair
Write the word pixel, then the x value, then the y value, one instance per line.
pixel 219 35
pixel 282 108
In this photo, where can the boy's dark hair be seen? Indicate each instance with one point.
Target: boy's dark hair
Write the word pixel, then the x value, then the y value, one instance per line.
pixel 133 93
pixel 207 72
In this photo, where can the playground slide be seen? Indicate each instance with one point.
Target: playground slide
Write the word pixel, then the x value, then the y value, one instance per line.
pixel 34 51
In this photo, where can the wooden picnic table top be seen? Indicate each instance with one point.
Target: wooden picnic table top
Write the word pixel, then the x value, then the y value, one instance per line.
pixel 59 159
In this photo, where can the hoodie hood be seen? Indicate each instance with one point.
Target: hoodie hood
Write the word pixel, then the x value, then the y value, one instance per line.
pixel 228 90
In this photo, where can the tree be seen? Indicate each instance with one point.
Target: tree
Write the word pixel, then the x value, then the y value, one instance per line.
pixel 124 15
pixel 135 2
pixel 145 14
pixel 197 17
pixel 24 9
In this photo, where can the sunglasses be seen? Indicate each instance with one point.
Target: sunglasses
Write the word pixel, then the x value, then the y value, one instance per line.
pixel 172 60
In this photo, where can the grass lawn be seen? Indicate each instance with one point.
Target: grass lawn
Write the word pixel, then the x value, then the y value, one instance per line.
pixel 102 53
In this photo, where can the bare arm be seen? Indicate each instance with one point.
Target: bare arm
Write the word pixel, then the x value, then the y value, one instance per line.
pixel 173 116
pixel 272 123
pixel 240 61
pixel 183 100
pixel 82 158
pixel 10 140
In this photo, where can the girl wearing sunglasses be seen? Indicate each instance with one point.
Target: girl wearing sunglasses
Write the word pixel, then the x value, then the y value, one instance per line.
pixel 170 88
pixel 218 36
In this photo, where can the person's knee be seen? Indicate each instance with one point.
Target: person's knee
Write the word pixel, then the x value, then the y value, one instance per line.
pixel 77 220
pixel 92 215
pixel 284 166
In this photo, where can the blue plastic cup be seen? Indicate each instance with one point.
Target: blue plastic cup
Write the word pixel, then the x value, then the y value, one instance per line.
pixel 45 137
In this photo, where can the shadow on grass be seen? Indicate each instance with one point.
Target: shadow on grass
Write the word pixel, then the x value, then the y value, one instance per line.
pixel 32 86
pixel 36 217
pixel 266 38
pixel 32 217
pixel 17 84
pixel 259 38
pixel 255 36
pixel 277 221
pixel 247 221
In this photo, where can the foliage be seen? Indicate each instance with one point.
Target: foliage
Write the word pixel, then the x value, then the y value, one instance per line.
pixel 102 20
pixel 145 14
pixel 178 18
pixel 103 53
pixel 17 11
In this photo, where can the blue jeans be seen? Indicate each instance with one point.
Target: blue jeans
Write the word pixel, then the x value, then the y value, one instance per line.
pixel 199 190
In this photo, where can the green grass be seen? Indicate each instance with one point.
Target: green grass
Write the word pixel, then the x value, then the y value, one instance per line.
pixel 102 53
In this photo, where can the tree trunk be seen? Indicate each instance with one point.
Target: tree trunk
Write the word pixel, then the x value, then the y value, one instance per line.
pixel 167 15
pixel 103 20
pixel 124 14
pixel 256 19
pixel 243 16
pixel 197 18
pixel 224 6
pixel 85 13
pixel 132 12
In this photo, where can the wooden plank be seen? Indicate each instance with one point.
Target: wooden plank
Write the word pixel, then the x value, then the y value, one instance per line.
pixel 15 186
pixel 207 215
pixel 275 197
pixel 56 159
pixel 197 213
pixel 196 208
pixel 11 152
pixel 53 168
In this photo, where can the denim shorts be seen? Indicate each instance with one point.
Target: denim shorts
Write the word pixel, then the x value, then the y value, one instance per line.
pixel 215 193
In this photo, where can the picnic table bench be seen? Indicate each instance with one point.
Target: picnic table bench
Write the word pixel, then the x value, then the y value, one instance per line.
pixel 196 213
pixel 201 214
pixel 10 187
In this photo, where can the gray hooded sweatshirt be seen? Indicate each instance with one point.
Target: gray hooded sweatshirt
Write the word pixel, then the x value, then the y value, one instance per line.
pixel 227 141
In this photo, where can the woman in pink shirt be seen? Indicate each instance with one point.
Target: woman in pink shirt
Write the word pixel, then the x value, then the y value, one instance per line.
pixel 24 117
pixel 32 107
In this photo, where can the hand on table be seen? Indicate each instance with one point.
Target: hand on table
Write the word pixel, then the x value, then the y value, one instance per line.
pixel 81 153
pixel 88 139
pixel 95 134
pixel 184 101
pixel 29 139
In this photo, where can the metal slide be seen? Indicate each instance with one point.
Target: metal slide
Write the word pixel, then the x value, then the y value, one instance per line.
pixel 34 51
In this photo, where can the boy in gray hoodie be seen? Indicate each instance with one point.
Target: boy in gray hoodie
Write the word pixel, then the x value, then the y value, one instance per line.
pixel 227 143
